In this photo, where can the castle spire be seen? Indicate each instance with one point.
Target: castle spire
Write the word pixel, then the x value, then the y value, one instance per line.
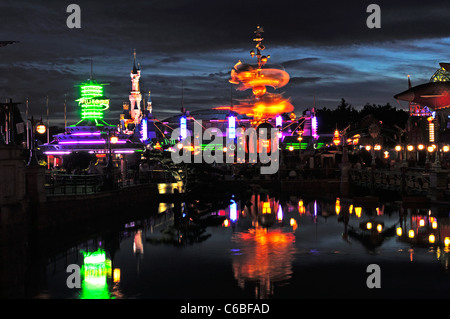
pixel 135 94
pixel 134 63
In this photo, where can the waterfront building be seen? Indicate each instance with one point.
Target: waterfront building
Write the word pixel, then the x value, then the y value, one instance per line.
pixel 92 133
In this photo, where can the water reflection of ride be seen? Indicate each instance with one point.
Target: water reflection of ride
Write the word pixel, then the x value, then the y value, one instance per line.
pixel 100 280
pixel 190 220
pixel 263 258
pixel 371 233
pixel 262 209
pixel 263 253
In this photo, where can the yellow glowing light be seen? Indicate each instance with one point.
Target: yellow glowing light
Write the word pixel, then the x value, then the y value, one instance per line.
pixel 292 222
pixel 434 224
pixel 336 139
pixel 338 206
pixel 410 148
pixel 377 147
pixel 180 146
pixel 422 222
pixel 358 211
pixel 379 228
pixel 266 208
pixel 224 149
pixel 291 148
pixel 433 146
pixel 368 147
pixel 431 239
pixel 399 231
pixel 398 148
pixel 116 275
pixel 350 209
pixel 338 209
pixel 41 129
pixel 446 148
pixel 446 241
pixel 420 147
pixel 411 233
pixel 226 223
pixel 369 225
pixel 114 139
pixel 386 154
pixel 430 149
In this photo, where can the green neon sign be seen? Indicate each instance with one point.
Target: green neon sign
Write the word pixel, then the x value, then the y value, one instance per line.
pixel 92 101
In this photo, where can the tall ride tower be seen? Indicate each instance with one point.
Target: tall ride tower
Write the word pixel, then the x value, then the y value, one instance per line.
pixel 135 95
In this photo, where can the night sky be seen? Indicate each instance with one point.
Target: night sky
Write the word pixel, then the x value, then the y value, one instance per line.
pixel 325 46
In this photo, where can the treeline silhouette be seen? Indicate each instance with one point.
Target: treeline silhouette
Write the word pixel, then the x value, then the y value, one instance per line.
pixel 345 114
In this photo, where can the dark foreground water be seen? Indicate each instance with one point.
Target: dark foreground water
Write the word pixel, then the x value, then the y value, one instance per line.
pixel 308 249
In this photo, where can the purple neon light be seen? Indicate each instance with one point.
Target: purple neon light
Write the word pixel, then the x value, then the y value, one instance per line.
pixel 314 127
pixel 87 133
pixel 57 152
pixel 84 142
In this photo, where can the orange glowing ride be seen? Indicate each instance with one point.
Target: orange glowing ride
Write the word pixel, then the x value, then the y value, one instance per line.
pixel 247 76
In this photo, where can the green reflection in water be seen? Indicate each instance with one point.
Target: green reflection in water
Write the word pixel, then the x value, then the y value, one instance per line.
pixel 96 270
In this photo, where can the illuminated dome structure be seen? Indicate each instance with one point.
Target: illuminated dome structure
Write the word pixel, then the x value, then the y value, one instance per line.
pixel 435 94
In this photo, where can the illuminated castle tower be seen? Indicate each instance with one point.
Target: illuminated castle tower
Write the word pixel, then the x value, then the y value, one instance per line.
pixel 135 96
pixel 149 104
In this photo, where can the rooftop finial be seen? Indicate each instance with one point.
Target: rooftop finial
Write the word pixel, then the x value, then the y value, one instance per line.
pixel 134 62
pixel 91 68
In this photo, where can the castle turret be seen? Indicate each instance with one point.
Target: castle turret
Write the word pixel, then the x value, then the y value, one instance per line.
pixel 149 104
pixel 135 96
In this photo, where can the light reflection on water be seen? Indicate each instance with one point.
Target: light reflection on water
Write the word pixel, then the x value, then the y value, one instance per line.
pixel 260 249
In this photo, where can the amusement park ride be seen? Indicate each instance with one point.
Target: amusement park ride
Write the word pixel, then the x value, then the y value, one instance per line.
pixel 138 128
pixel 434 95
pixel 262 109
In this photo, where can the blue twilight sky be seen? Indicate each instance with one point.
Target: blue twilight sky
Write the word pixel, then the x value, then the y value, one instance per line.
pixel 325 46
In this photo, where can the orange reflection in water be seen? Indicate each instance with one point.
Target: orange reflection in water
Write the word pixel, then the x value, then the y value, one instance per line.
pixel 266 259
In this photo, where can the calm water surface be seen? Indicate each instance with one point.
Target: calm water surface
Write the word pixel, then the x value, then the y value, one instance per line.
pixel 295 248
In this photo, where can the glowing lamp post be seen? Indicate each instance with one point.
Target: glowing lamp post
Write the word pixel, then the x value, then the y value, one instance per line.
pixel 336 139
pixel 40 128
